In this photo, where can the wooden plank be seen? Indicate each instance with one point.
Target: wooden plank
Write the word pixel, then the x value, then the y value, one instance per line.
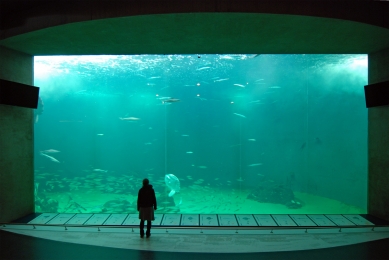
pixel 321 220
pixel 358 220
pixel 302 220
pixel 284 221
pixel 79 219
pixel 97 219
pixel 227 220
pixel 265 220
pixel 131 220
pixel 246 220
pixel 115 219
pixel 190 220
pixel 171 220
pixel 340 220
pixel 208 220
pixel 43 218
pixel 61 219
pixel 158 219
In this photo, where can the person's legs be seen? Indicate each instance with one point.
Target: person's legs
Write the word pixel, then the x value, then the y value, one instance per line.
pixel 148 228
pixel 141 226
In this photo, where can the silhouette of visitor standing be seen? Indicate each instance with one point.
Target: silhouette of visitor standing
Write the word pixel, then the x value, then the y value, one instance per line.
pixel 146 205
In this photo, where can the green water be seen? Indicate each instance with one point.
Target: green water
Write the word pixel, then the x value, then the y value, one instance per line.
pixel 242 133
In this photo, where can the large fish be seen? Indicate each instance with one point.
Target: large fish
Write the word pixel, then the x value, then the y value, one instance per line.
pixel 50 151
pixel 100 170
pixel 50 157
pixel 173 183
pixel 239 115
pixel 219 80
pixel 129 118
pixel 170 100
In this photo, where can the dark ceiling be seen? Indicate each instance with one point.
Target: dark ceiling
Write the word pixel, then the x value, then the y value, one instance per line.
pixel 136 27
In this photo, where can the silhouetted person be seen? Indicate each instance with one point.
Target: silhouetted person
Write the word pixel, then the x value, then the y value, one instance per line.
pixel 146 204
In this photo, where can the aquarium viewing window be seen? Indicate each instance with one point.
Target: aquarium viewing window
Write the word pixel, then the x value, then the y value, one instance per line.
pixel 238 134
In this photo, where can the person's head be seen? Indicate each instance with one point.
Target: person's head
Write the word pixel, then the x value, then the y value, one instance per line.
pixel 145 182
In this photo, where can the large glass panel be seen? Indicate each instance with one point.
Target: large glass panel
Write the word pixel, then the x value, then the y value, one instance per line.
pixel 241 133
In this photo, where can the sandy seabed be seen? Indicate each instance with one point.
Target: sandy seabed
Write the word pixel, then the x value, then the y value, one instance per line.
pixel 196 199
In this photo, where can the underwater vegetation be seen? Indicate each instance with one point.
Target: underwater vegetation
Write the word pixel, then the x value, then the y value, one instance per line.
pixel 269 191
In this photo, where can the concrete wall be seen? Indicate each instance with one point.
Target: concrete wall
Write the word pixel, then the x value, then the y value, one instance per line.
pixel 33 15
pixel 378 142
pixel 16 142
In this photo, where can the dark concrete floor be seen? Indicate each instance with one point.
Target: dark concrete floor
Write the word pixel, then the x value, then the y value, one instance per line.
pixel 14 246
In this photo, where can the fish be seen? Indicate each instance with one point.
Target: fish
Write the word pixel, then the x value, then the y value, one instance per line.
pixel 189 152
pixel 203 167
pixel 185 135
pixel 240 179
pixel 239 115
pixel 254 164
pixel 251 140
pixel 258 80
pixel 99 170
pixel 170 100
pixel 50 151
pixel 275 87
pixel 173 183
pixel 203 68
pixel 219 80
pixel 179 204
pixel 129 118
pixel 257 102
pixel 100 134
pixel 240 85
pixel 157 77
pixel 163 98
pixel 50 157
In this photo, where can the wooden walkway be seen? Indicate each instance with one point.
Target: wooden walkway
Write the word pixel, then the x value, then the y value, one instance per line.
pixel 204 220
